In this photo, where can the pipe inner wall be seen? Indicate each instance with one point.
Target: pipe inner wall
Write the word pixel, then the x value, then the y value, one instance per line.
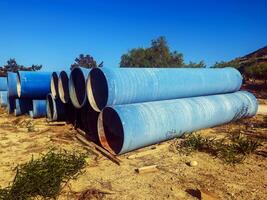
pixel 77 88
pixel 124 128
pixel 63 87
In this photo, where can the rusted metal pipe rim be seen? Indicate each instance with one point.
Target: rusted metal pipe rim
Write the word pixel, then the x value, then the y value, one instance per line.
pixel 97 89
pixel 77 89
pixel 110 130
pixel 63 87
pixel 54 85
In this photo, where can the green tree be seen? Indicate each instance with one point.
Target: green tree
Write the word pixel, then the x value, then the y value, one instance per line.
pixel 13 66
pixel 191 64
pixel 257 71
pixel 157 55
pixel 85 61
pixel 233 63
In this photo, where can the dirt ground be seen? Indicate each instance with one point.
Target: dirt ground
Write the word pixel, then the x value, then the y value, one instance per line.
pixel 21 138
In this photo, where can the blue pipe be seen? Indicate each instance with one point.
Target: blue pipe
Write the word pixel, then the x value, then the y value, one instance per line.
pixel 3 98
pixel 55 109
pixel 63 86
pixel 77 86
pixel 23 106
pixel 12 84
pixel 39 109
pixel 54 84
pixel 115 86
pixel 34 85
pixel 10 105
pixel 123 128
pixel 3 83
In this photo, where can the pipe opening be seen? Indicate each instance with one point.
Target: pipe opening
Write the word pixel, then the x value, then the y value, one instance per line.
pixel 18 85
pixel 54 84
pixel 77 87
pixel 97 89
pixel 63 87
pixel 49 107
pixel 110 130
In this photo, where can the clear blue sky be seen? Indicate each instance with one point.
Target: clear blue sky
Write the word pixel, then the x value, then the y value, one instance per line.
pixel 54 32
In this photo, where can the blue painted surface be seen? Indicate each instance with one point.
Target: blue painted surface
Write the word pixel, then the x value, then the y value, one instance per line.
pixel 77 87
pixel 63 84
pixel 3 83
pixel 12 84
pixel 35 85
pixel 148 123
pixel 3 98
pixel 39 109
pixel 23 106
pixel 133 85
pixel 55 109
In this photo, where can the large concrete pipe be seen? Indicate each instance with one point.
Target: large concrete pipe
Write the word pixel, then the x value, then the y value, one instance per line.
pixel 12 84
pixel 23 106
pixel 63 86
pixel 34 85
pixel 39 109
pixel 3 84
pixel 55 109
pixel 77 87
pixel 3 98
pixel 115 86
pixel 123 128
pixel 54 84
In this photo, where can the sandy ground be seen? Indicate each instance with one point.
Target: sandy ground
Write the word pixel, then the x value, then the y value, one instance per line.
pixel 262 110
pixel 21 138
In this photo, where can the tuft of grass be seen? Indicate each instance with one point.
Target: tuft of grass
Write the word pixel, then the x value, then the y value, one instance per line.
pixel 232 150
pixel 44 176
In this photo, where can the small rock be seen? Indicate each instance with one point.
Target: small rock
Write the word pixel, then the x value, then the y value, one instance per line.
pixel 192 163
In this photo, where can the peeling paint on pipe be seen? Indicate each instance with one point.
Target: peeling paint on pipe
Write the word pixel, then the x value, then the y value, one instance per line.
pixel 63 86
pixel 55 109
pixel 23 106
pixel 12 84
pixel 77 87
pixel 106 86
pixel 124 128
pixel 54 84
pixel 3 98
pixel 3 84
pixel 39 109
pixel 34 85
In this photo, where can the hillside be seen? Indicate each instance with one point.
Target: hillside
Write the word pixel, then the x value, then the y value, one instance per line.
pixel 260 56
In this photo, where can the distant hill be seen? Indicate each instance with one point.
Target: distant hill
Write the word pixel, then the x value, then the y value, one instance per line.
pixel 257 56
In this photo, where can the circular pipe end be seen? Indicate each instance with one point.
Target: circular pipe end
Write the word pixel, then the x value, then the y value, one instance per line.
pixel 54 85
pixel 77 89
pixel 49 107
pixel 97 89
pixel 63 87
pixel 110 130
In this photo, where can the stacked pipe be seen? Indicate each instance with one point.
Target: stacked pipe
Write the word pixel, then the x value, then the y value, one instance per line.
pixel 124 109
pixel 129 108
pixel 141 107
pixel 3 91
